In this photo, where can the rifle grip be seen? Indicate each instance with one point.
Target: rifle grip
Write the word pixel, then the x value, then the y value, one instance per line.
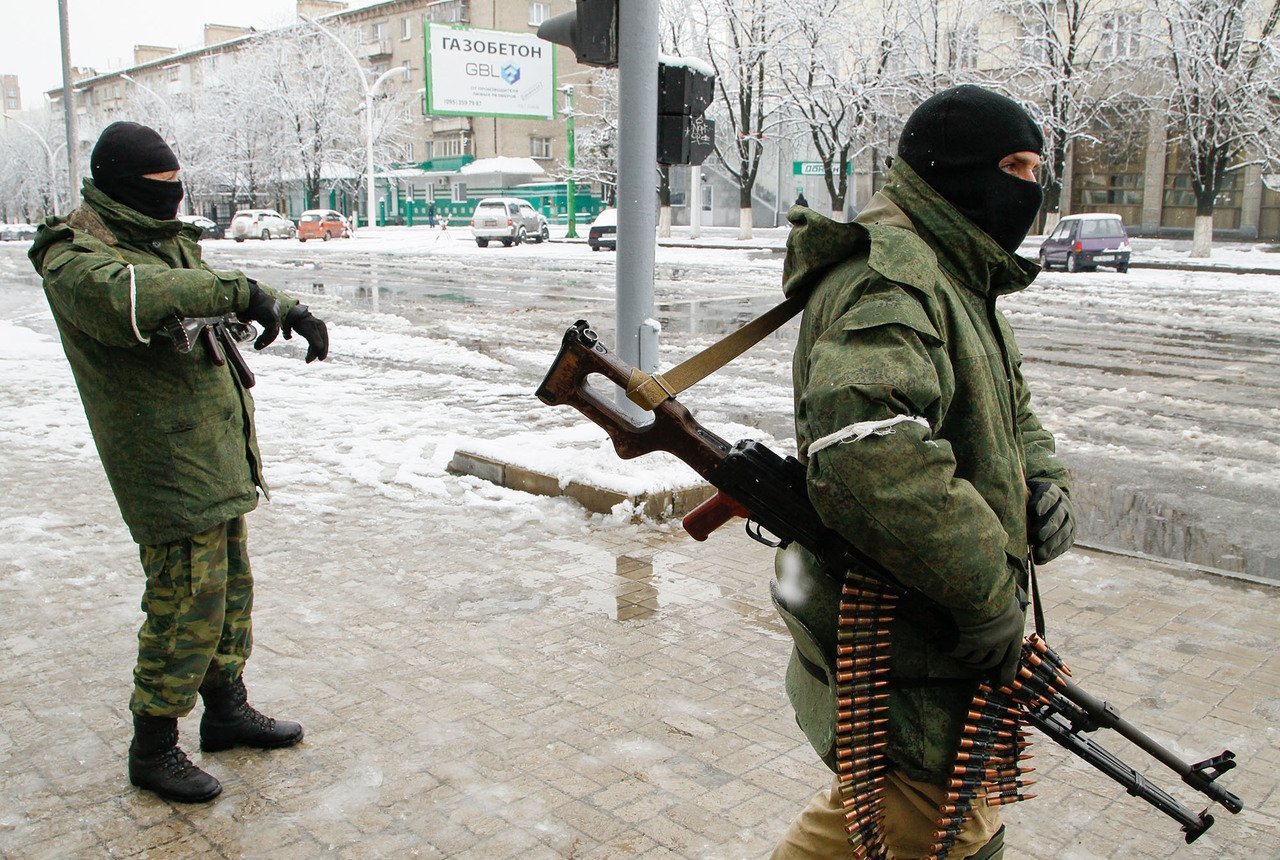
pixel 711 514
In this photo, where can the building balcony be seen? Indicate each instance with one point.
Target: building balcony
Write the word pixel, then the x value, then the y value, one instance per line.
pixel 376 50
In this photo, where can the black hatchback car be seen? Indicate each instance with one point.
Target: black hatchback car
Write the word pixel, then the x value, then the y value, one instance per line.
pixel 1081 243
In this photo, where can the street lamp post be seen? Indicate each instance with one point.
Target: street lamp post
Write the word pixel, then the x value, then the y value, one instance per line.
pixel 570 185
pixel 369 93
pixel 53 170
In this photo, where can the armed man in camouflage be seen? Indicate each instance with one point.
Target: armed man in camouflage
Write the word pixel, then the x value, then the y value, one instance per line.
pixel 955 482
pixel 173 424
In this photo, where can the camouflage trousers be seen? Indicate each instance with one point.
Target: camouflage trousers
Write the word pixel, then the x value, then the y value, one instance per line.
pixel 198 600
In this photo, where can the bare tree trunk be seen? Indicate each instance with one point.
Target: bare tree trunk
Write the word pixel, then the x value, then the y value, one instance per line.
pixel 1202 237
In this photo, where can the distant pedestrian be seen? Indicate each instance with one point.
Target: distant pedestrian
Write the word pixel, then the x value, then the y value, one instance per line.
pixel 172 418
pixel 801 201
pixel 431 214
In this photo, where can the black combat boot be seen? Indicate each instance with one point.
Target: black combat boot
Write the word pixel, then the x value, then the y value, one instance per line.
pixel 229 720
pixel 158 764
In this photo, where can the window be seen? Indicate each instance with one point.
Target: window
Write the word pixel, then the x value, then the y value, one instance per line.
pixel 1120 35
pixel 962 45
pixel 538 12
pixel 540 147
pixel 172 73
pixel 1035 42
pixel 452 145
pixel 459 192
pixel 380 31
pixel 409 190
pixel 406 29
pixel 448 12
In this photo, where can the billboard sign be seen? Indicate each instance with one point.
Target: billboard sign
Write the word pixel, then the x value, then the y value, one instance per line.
pixel 488 73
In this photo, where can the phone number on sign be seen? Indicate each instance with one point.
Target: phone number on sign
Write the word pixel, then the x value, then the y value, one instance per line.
pixel 459 103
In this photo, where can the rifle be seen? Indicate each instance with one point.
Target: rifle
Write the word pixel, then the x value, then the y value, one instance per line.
pixel 220 336
pixel 769 492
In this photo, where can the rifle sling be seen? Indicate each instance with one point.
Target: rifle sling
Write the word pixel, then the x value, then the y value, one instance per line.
pixel 648 391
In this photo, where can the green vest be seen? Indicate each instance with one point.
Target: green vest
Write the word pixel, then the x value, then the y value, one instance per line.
pixel 902 323
pixel 174 431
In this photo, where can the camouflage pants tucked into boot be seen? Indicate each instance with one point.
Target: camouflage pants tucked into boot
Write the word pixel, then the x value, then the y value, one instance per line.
pixel 198 601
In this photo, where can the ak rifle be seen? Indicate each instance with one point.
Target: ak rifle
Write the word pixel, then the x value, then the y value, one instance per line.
pixel 769 492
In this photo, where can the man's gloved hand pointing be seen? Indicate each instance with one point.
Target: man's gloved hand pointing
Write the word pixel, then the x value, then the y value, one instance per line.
pixel 312 328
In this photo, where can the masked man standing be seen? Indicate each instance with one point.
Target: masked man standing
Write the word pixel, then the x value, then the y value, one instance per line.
pixel 922 449
pixel 173 423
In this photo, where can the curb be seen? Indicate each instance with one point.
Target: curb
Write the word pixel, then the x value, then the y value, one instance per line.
pixel 663 505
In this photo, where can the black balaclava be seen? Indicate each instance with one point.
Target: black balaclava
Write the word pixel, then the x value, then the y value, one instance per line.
pixel 955 141
pixel 124 153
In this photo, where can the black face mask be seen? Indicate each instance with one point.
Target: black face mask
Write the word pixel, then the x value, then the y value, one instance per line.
pixel 1002 206
pixel 155 198
pixel 955 142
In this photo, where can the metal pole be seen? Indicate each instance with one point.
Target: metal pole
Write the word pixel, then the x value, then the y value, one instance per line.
pixel 69 108
pixel 370 195
pixel 570 186
pixel 637 161
pixel 695 197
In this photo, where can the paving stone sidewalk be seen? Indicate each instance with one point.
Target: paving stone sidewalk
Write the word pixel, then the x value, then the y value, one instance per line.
pixel 612 693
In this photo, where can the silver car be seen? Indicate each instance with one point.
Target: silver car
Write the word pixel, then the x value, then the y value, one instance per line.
pixel 508 220
pixel 261 224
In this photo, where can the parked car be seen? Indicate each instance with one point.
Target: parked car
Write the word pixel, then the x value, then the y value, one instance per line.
pixel 208 228
pixel 1084 242
pixel 508 220
pixel 261 224
pixel 604 231
pixel 17 232
pixel 323 224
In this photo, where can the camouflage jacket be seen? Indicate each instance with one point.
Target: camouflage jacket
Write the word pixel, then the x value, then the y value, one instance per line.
pixel 902 324
pixel 174 431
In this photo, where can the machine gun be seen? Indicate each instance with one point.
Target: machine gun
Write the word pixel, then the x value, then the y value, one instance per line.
pixel 769 492
pixel 219 335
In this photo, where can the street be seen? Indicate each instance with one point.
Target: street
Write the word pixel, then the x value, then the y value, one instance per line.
pixel 487 673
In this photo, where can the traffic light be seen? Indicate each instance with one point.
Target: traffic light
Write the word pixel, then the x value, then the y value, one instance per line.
pixel 684 94
pixel 591 30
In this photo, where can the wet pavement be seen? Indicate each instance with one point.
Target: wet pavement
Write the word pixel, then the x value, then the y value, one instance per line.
pixel 485 675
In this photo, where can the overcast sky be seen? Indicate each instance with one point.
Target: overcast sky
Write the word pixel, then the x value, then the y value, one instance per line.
pixel 103 32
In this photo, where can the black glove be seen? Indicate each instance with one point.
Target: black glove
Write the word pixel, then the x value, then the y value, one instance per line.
pixel 265 311
pixel 299 319
pixel 995 644
pixel 1051 527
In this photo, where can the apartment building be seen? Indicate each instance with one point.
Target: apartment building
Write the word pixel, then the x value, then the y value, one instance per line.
pixel 10 94
pixel 392 35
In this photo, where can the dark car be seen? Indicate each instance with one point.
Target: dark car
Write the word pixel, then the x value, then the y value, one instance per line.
pixel 208 229
pixel 1081 243
pixel 17 232
pixel 604 231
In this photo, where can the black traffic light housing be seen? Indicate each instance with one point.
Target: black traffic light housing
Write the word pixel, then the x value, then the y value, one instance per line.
pixel 684 94
pixel 591 30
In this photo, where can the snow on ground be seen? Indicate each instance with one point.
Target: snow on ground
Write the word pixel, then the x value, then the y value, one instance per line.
pixel 1162 387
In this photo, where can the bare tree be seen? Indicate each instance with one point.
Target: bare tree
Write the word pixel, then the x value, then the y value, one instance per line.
pixel 840 84
pixel 739 38
pixel 595 113
pixel 1073 63
pixel 1223 108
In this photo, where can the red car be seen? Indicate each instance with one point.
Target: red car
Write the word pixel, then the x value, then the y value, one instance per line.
pixel 323 224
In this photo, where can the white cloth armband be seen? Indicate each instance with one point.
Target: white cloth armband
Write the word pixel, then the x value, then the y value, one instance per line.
pixel 863 429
